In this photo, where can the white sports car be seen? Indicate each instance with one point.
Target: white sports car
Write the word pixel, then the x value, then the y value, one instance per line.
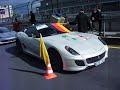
pixel 6 36
pixel 71 51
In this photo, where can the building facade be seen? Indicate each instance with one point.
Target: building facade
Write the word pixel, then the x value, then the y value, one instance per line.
pixel 6 11
pixel 73 6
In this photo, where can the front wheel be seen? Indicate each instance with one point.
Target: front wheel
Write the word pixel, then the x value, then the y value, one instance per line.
pixel 55 59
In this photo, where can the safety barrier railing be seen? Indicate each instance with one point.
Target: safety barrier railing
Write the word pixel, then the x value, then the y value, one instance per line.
pixel 110 22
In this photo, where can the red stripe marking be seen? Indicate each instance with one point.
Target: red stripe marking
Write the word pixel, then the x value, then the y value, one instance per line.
pixel 49 68
pixel 56 26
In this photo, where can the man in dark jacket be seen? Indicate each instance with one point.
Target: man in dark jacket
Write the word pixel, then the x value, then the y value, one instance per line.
pixel 83 22
pixel 32 18
pixel 94 17
pixel 99 20
pixel 97 17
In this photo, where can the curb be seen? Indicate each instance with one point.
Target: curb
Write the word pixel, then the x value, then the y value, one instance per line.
pixel 112 40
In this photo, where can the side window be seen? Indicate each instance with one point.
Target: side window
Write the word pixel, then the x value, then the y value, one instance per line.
pixel 47 31
pixel 30 31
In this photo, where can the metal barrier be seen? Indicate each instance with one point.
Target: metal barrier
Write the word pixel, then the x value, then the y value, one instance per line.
pixel 110 23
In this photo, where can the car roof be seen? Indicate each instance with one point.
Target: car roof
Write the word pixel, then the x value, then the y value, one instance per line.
pixel 3 28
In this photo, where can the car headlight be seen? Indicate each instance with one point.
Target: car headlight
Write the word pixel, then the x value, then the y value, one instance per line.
pixel 70 50
pixel 102 41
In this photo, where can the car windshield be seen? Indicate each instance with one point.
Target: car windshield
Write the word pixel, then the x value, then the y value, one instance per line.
pixel 4 29
pixel 48 32
pixel 54 29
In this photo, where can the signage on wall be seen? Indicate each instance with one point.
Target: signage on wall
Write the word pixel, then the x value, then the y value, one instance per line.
pixel 2 11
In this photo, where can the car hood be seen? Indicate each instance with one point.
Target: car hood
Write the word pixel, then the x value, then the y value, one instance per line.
pixel 83 43
pixel 8 34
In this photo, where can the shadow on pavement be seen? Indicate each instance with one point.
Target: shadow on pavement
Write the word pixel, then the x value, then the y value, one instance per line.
pixel 42 74
pixel 34 62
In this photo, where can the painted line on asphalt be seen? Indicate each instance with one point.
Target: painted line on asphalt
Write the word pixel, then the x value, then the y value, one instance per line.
pixel 114 47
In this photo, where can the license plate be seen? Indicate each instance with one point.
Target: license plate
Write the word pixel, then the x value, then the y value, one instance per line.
pixel 99 62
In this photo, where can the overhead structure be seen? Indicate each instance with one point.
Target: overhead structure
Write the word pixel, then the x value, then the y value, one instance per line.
pixel 22 5
pixel 31 5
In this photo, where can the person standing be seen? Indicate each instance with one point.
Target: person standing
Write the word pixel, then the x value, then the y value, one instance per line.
pixel 96 17
pixel 99 15
pixel 32 18
pixel 83 22
pixel 17 25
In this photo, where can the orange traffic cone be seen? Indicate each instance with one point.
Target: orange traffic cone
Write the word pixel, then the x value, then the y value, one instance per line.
pixel 49 74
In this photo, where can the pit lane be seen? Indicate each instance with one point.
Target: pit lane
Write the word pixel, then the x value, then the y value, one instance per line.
pixel 23 72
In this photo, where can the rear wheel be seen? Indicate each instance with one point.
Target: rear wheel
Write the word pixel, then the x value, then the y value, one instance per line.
pixel 55 59
pixel 19 46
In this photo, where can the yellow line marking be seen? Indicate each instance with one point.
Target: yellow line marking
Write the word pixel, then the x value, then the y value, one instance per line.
pixel 114 47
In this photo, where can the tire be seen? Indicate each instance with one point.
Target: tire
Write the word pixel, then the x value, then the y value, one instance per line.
pixel 55 59
pixel 19 46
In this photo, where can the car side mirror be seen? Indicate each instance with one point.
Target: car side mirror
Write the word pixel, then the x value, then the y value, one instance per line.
pixel 33 36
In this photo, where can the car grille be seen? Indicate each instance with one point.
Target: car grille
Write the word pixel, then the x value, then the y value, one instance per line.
pixel 8 40
pixel 80 63
pixel 95 59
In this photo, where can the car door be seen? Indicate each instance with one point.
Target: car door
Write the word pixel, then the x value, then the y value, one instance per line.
pixel 32 43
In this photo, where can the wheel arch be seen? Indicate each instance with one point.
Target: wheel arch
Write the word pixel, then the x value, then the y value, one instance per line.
pixel 55 50
pixel 58 53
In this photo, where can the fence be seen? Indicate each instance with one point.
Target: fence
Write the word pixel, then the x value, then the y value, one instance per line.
pixel 110 22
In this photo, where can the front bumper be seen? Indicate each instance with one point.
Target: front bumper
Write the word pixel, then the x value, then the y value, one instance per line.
pixel 7 40
pixel 83 63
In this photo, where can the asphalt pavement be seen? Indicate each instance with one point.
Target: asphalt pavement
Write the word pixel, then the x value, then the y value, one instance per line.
pixel 24 72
